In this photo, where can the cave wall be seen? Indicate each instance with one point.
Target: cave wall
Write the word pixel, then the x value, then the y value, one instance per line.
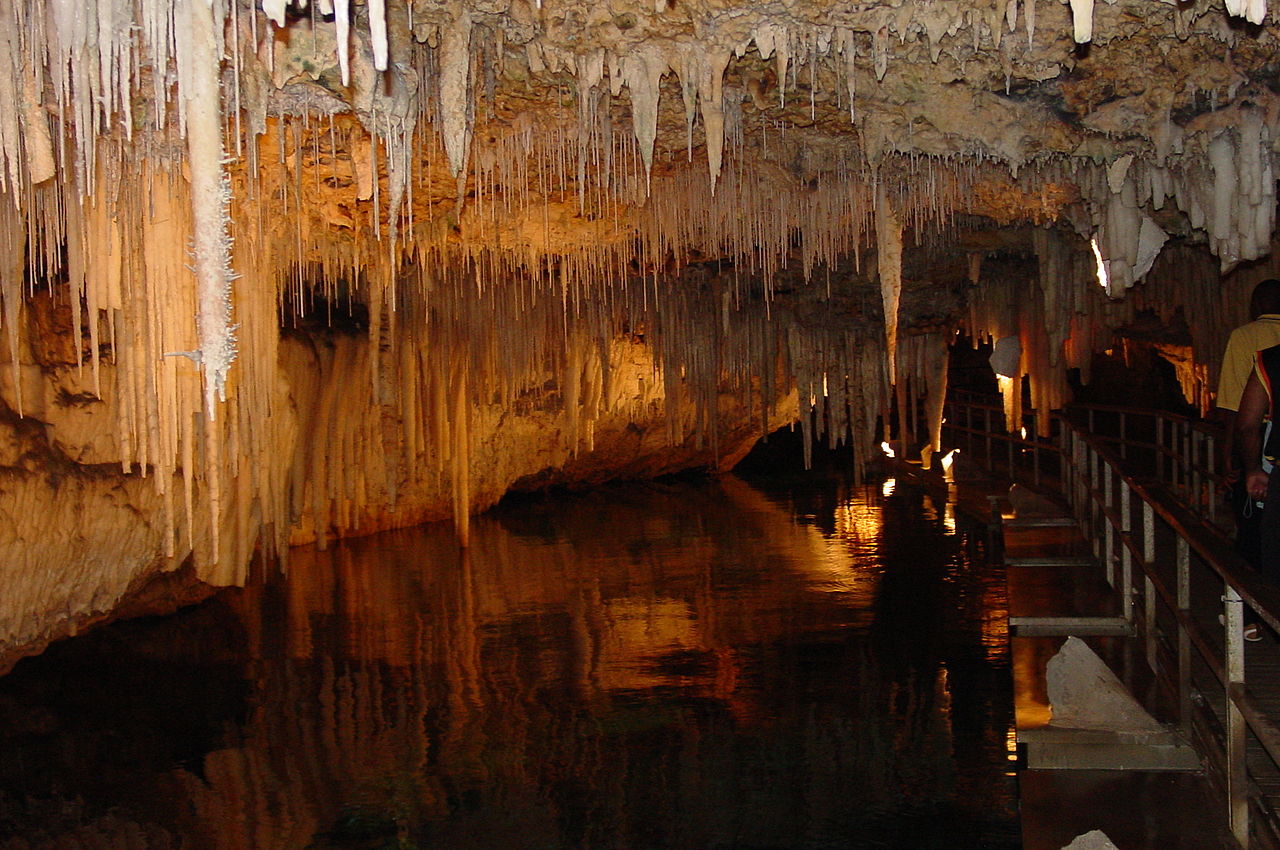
pixel 84 531
pixel 573 240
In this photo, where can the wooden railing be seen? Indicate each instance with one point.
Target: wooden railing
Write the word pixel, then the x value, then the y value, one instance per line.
pixel 1143 487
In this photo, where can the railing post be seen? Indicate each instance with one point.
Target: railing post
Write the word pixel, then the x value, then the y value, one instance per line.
pixel 986 429
pixel 1213 478
pixel 1197 443
pixel 1035 462
pixel 1094 508
pixel 1149 587
pixel 1108 501
pixel 1164 432
pixel 968 424
pixel 1126 554
pixel 1081 477
pixel 1184 637
pixel 1013 472
pixel 1237 731
pixel 1185 458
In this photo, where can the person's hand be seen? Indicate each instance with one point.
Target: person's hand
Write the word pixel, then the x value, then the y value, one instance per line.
pixel 1255 484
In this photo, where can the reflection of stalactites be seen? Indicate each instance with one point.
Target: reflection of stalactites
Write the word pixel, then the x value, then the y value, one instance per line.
pixel 461 453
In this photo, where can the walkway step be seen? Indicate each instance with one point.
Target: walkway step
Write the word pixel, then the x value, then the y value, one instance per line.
pixel 1039 522
pixel 1051 561
pixel 1065 626
pixel 1051 748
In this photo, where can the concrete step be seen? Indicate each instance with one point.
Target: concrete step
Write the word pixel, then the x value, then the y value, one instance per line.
pixel 1051 561
pixel 1039 522
pixel 1054 748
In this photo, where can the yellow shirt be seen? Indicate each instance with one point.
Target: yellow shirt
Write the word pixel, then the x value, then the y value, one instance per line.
pixel 1237 361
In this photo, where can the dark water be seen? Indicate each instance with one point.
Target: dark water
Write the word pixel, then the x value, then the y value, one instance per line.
pixel 704 665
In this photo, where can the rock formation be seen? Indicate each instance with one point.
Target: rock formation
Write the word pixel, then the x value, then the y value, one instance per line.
pixel 281 271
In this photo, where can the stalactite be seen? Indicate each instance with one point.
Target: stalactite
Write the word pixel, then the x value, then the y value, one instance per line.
pixel 457 107
pixel 1082 20
pixel 642 71
pixel 199 75
pixel 889 262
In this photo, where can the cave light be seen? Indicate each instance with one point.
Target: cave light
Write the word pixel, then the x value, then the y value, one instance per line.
pixel 1104 279
pixel 948 460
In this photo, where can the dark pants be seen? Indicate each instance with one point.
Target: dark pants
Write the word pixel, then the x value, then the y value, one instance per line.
pixel 1248 516
pixel 1268 557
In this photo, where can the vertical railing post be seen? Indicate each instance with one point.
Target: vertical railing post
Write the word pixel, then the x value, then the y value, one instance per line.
pixel 1237 731
pixel 986 429
pixel 968 424
pixel 1184 637
pixel 1108 501
pixel 1126 552
pixel 1175 455
pixel 1148 586
pixel 1213 478
pixel 1009 441
pixel 1094 508
pixel 1067 466
pixel 1197 497
pixel 1185 459
pixel 1081 476
pixel 1164 432
pixel 1035 462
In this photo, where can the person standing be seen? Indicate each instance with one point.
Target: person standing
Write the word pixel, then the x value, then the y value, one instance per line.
pixel 1260 448
pixel 1238 362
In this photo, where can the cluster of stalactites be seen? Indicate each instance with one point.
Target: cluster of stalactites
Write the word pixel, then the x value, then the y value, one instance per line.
pixel 1042 319
pixel 1229 193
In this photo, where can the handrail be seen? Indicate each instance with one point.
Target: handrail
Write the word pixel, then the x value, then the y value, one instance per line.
pixel 1131 511
pixel 1183 452
pixel 1107 475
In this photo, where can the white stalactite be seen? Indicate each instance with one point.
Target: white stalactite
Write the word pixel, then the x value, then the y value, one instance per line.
pixel 456 106
pixel 199 76
pixel 643 72
pixel 711 99
pixel 889 263
pixel 342 24
pixel 274 9
pixel 378 32
pixel 1082 20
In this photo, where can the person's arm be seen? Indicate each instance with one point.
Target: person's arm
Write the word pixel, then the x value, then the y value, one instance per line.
pixel 1253 410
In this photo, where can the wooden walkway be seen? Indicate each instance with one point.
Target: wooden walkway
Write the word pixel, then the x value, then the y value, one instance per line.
pixel 1057 587
pixel 1143 489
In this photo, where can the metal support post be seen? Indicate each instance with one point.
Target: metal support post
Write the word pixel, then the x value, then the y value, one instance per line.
pixel 1237 731
pixel 1148 586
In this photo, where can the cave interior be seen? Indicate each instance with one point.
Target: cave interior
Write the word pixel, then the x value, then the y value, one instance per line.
pixel 278 273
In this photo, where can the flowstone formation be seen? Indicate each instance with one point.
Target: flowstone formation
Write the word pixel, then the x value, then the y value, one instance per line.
pixel 277 271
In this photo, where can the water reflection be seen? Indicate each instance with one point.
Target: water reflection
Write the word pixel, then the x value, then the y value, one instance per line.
pixel 669 666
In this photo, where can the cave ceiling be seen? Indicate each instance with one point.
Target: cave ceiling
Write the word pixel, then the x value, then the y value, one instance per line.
pixel 407 111
pixel 783 211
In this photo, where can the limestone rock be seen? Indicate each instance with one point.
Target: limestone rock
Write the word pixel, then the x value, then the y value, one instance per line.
pixel 1093 840
pixel 1085 694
